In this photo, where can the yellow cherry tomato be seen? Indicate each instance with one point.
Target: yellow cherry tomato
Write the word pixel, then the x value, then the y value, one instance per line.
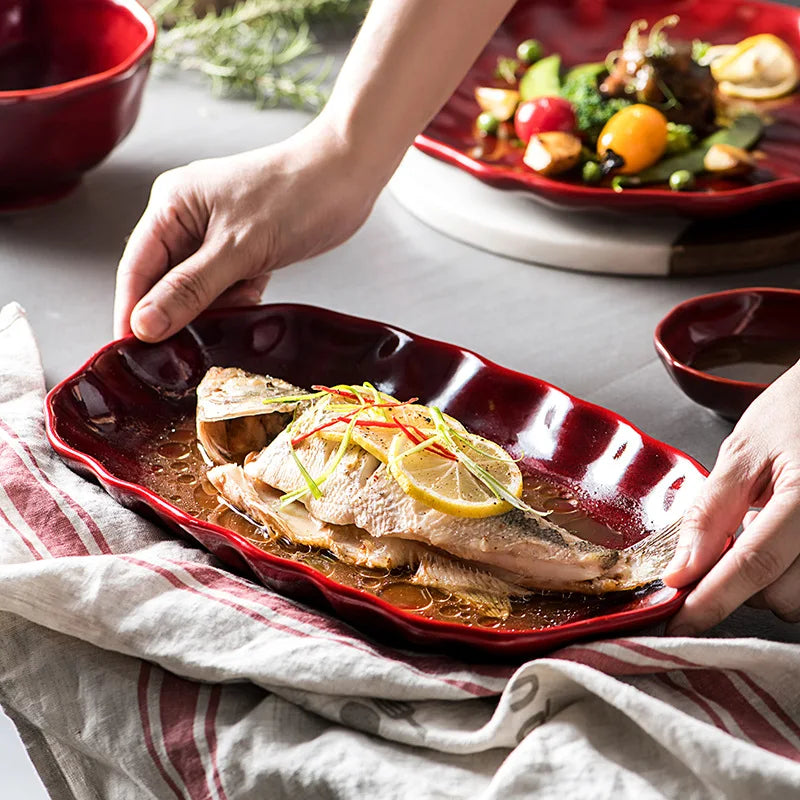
pixel 638 133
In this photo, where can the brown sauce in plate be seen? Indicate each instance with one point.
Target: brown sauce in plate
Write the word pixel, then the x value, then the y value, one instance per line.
pixel 747 358
pixel 174 469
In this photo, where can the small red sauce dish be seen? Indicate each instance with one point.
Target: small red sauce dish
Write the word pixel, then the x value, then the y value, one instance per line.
pixel 71 81
pixel 724 349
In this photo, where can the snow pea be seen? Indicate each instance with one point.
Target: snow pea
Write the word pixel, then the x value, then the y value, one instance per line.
pixel 743 132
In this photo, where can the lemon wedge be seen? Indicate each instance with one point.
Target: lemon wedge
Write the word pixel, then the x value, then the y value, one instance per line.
pixel 447 485
pixel 762 67
pixel 500 103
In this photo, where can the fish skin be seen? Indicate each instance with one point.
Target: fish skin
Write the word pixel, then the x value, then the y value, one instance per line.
pixel 348 543
pixel 230 392
pixel 232 419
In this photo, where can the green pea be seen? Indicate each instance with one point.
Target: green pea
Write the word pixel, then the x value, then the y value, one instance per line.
pixel 487 123
pixel 529 51
pixel 681 180
pixel 592 172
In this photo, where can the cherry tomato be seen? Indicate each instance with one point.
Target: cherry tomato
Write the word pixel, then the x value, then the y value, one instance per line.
pixel 638 133
pixel 543 114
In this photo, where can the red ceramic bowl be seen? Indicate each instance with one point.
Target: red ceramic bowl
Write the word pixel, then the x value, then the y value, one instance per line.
pixel 757 316
pixel 71 80
pixel 584 31
pixel 99 420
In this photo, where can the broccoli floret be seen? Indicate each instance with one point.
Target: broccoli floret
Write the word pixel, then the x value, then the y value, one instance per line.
pixel 680 138
pixel 592 110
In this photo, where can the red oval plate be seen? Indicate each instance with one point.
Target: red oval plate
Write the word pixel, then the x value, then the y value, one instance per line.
pixel 99 419
pixel 586 30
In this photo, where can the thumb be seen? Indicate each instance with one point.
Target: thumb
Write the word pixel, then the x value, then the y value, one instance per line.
pixel 716 514
pixel 183 292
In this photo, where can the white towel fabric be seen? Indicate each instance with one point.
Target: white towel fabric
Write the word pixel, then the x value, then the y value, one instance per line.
pixel 135 666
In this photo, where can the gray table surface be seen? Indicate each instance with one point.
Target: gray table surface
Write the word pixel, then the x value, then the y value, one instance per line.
pixel 590 334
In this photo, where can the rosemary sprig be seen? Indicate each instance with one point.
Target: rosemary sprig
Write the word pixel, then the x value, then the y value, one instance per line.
pixel 260 49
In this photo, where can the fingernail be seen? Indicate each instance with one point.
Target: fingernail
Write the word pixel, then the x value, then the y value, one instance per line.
pixel 150 322
pixel 681 630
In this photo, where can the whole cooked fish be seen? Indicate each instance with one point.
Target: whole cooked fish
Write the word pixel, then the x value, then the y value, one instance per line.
pixel 233 418
pixel 522 549
pixel 362 506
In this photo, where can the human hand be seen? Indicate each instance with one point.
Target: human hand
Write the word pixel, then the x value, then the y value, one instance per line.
pixel 214 230
pixel 758 466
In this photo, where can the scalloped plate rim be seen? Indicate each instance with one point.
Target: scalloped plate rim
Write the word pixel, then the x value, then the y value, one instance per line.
pixel 600 624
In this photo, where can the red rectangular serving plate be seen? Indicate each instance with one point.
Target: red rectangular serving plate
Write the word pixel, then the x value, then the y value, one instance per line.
pixel 99 419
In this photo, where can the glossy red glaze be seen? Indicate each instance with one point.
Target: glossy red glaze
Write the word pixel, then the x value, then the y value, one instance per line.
pixel 585 31
pixel 695 324
pixel 71 81
pixel 99 418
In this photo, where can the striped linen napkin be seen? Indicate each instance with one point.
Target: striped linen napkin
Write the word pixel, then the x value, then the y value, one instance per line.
pixel 135 666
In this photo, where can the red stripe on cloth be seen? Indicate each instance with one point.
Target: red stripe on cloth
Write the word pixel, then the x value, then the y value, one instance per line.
pixel 144 683
pixel 770 702
pixel 616 666
pixel 177 709
pixel 604 662
pixel 757 689
pixel 220 581
pixel 664 677
pixel 171 577
pixel 656 655
pixel 38 508
pixel 716 685
pixel 211 737
pixel 84 515
pixel 34 552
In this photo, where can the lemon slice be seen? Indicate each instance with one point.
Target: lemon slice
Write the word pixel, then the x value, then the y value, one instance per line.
pixel 377 440
pixel 447 485
pixel 762 67
pixel 500 103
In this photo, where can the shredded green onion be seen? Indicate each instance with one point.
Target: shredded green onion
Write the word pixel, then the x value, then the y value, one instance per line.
pixel 331 468
pixel 485 477
pixel 417 448
pixel 313 486
pixel 460 436
pixel 366 397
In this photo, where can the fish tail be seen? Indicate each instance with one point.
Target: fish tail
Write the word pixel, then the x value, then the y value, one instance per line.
pixel 650 556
